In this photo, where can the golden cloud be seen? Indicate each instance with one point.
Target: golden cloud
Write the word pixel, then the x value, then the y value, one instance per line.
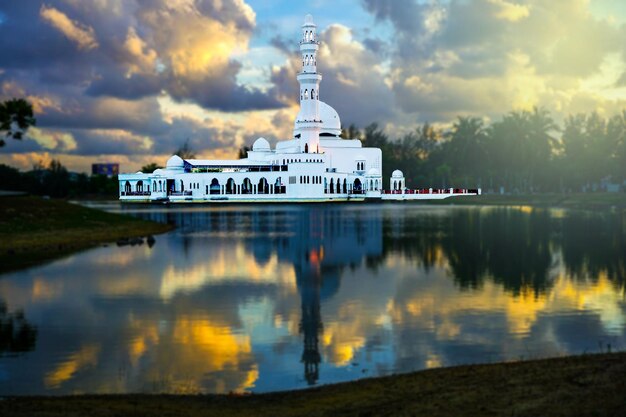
pixel 193 44
pixel 83 35
pixel 510 11
pixel 52 140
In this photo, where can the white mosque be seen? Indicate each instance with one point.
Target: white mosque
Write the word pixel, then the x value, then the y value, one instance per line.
pixel 315 165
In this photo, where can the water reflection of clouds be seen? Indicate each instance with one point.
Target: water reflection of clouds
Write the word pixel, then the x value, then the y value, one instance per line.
pixel 241 300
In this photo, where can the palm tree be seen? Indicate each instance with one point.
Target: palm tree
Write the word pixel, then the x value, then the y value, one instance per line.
pixel 466 149
pixel 541 145
pixel 16 116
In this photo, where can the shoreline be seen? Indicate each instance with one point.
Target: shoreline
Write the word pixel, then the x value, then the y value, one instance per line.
pixel 585 385
pixel 34 230
pixel 599 200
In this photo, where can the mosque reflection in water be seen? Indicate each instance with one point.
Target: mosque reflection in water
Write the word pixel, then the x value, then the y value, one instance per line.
pixel 318 242
pixel 281 297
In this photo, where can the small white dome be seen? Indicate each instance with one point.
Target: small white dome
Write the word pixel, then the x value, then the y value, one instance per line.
pixel 175 162
pixel 308 19
pixel 261 145
pixel 397 174
pixel 158 171
pixel 373 172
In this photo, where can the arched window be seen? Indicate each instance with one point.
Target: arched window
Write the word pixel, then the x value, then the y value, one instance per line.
pixel 345 186
pixel 127 187
pixel 306 93
pixel 332 185
pixel 139 186
pixel 230 186
pixel 263 187
pixel 154 186
pixel 357 186
pixel 246 187
pixel 306 148
pixel 215 186
pixel 312 94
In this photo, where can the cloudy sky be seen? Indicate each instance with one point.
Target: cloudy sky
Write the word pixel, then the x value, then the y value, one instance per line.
pixel 129 81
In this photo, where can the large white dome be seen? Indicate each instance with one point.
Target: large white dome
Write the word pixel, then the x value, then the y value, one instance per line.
pixel 261 145
pixel 331 124
pixel 330 120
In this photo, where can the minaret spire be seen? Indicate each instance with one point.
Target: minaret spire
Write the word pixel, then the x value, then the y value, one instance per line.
pixel 309 79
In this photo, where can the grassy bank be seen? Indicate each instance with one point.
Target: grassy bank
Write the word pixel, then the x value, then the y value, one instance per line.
pixel 581 200
pixel 33 230
pixel 590 385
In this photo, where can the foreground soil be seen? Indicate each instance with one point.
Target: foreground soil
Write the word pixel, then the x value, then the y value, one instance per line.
pixel 590 385
pixel 34 230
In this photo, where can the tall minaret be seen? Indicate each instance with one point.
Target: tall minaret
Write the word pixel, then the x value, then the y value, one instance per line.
pixel 309 121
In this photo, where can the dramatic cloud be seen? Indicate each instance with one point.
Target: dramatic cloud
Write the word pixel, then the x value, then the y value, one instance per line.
pixel 484 57
pixel 131 80
pixel 81 34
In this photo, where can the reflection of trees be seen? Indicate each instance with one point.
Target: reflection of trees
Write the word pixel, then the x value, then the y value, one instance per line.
pixel 16 334
pixel 511 246
pixel 594 244
pixel 508 245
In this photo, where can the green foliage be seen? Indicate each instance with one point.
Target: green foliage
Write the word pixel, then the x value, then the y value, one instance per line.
pixel 55 181
pixel 185 151
pixel 16 116
pixel 523 152
pixel 150 168
pixel 243 152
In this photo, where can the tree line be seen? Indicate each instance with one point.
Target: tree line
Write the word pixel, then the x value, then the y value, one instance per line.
pixel 524 151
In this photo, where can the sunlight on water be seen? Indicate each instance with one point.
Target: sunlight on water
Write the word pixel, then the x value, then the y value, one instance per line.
pixel 281 297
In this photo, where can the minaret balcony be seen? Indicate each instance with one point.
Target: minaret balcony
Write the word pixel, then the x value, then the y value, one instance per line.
pixel 309 124
pixel 309 42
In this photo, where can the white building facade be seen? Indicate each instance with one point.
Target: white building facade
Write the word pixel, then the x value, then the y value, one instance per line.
pixel 315 165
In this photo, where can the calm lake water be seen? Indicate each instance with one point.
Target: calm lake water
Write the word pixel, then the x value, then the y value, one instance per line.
pixel 264 298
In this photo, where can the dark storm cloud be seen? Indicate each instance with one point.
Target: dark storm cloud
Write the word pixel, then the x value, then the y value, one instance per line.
pixel 32 45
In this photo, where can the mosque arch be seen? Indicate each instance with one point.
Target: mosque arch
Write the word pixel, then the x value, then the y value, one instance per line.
pixel 357 187
pixel 306 148
pixel 230 186
pixel 263 187
pixel 139 186
pixel 127 187
pixel 246 187
pixel 345 186
pixel 215 186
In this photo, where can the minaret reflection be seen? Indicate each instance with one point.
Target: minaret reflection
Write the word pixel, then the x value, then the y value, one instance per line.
pixel 326 241
pixel 311 325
